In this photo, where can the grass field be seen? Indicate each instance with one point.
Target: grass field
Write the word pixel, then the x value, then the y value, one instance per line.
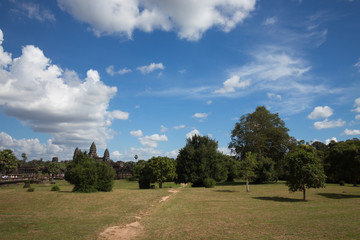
pixel 224 212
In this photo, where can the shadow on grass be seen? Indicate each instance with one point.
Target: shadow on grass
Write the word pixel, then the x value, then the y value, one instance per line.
pixel 279 199
pixel 230 191
pixel 338 195
pixel 230 183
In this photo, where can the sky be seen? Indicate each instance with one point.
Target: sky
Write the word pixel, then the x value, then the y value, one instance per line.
pixel 139 77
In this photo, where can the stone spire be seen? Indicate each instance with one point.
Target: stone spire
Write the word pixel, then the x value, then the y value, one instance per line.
pixel 106 156
pixel 92 152
pixel 76 152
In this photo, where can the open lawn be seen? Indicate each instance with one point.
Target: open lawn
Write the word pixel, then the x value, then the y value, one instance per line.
pixel 224 212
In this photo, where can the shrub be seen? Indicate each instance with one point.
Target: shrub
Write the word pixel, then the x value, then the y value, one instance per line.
pixel 342 183
pixel 144 183
pixel 55 188
pixel 31 189
pixel 209 182
pixel 27 184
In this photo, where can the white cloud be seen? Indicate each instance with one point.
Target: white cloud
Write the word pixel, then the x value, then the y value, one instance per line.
pixel 189 18
pixel 233 83
pixel 163 128
pixel 33 11
pixel 357 65
pixel 321 112
pixel 172 154
pixel 150 68
pixel 192 133
pixel 128 155
pixel 270 21
pixel 352 132
pixel 357 117
pixel 200 115
pixel 179 127
pixel 33 148
pixel 152 141
pixel 274 96
pixel 327 141
pixel 226 151
pixel 182 71
pixel 117 114
pixel 357 105
pixel 137 133
pixel 329 124
pixel 209 102
pixel 111 72
pixel 48 100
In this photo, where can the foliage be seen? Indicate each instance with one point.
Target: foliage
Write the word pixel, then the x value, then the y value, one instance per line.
pixel 232 168
pixel 265 134
pixel 161 169
pixel 88 175
pixel 199 159
pixel 209 183
pixel 8 161
pixel 55 188
pixel 31 189
pixel 27 184
pixel 304 170
pixel 343 161
pixel 247 168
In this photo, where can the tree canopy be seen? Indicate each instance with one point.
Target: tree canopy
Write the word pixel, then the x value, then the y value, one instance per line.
pixel 200 159
pixel 266 135
pixel 162 169
pixel 304 170
pixel 8 161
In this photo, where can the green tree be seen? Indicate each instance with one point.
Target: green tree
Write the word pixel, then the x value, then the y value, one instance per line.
pixel 8 161
pixel 304 170
pixel 265 134
pixel 162 169
pixel 88 175
pixel 247 168
pixel 200 159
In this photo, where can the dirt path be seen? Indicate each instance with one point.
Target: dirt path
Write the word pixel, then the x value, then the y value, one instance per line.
pixel 131 230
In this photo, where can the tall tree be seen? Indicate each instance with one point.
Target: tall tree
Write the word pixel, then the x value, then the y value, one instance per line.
pixel 304 170
pixel 247 167
pixel 162 169
pixel 265 134
pixel 8 161
pixel 200 159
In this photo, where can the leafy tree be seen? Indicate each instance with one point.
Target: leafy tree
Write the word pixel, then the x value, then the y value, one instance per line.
pixel 8 161
pixel 247 168
pixel 88 175
pixel 304 170
pixel 232 168
pixel 199 159
pixel 162 169
pixel 343 161
pixel 265 134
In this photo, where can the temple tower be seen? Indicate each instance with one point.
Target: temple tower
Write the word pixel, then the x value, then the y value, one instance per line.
pixel 92 152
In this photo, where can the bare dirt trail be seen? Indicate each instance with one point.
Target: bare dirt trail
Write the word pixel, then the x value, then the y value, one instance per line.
pixel 131 230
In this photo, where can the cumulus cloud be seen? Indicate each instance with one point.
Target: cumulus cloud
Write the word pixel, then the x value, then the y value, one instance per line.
pixel 327 141
pixel 150 68
pixel 110 70
pixel 357 117
pixel 329 124
pixel 270 21
pixel 200 115
pixel 33 148
pixel 233 83
pixel 179 127
pixel 357 105
pixel 137 133
pixel 192 133
pixel 33 11
pixel 152 141
pixel 321 112
pixel 128 155
pixel 352 132
pixel 190 19
pixel 209 102
pixel 274 96
pixel 172 154
pixel 50 100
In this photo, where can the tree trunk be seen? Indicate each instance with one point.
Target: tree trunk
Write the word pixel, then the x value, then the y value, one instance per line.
pixel 247 185
pixel 160 184
pixel 304 194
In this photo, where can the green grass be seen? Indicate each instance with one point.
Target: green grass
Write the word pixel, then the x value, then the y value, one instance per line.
pixel 224 212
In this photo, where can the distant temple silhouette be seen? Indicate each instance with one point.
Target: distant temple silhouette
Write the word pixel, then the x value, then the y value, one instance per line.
pixel 94 155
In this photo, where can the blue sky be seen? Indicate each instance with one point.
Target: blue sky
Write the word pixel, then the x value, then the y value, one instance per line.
pixel 139 77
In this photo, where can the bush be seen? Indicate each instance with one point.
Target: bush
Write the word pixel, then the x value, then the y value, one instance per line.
pixel 55 188
pixel 27 184
pixel 209 182
pixel 144 183
pixel 31 189
pixel 342 183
